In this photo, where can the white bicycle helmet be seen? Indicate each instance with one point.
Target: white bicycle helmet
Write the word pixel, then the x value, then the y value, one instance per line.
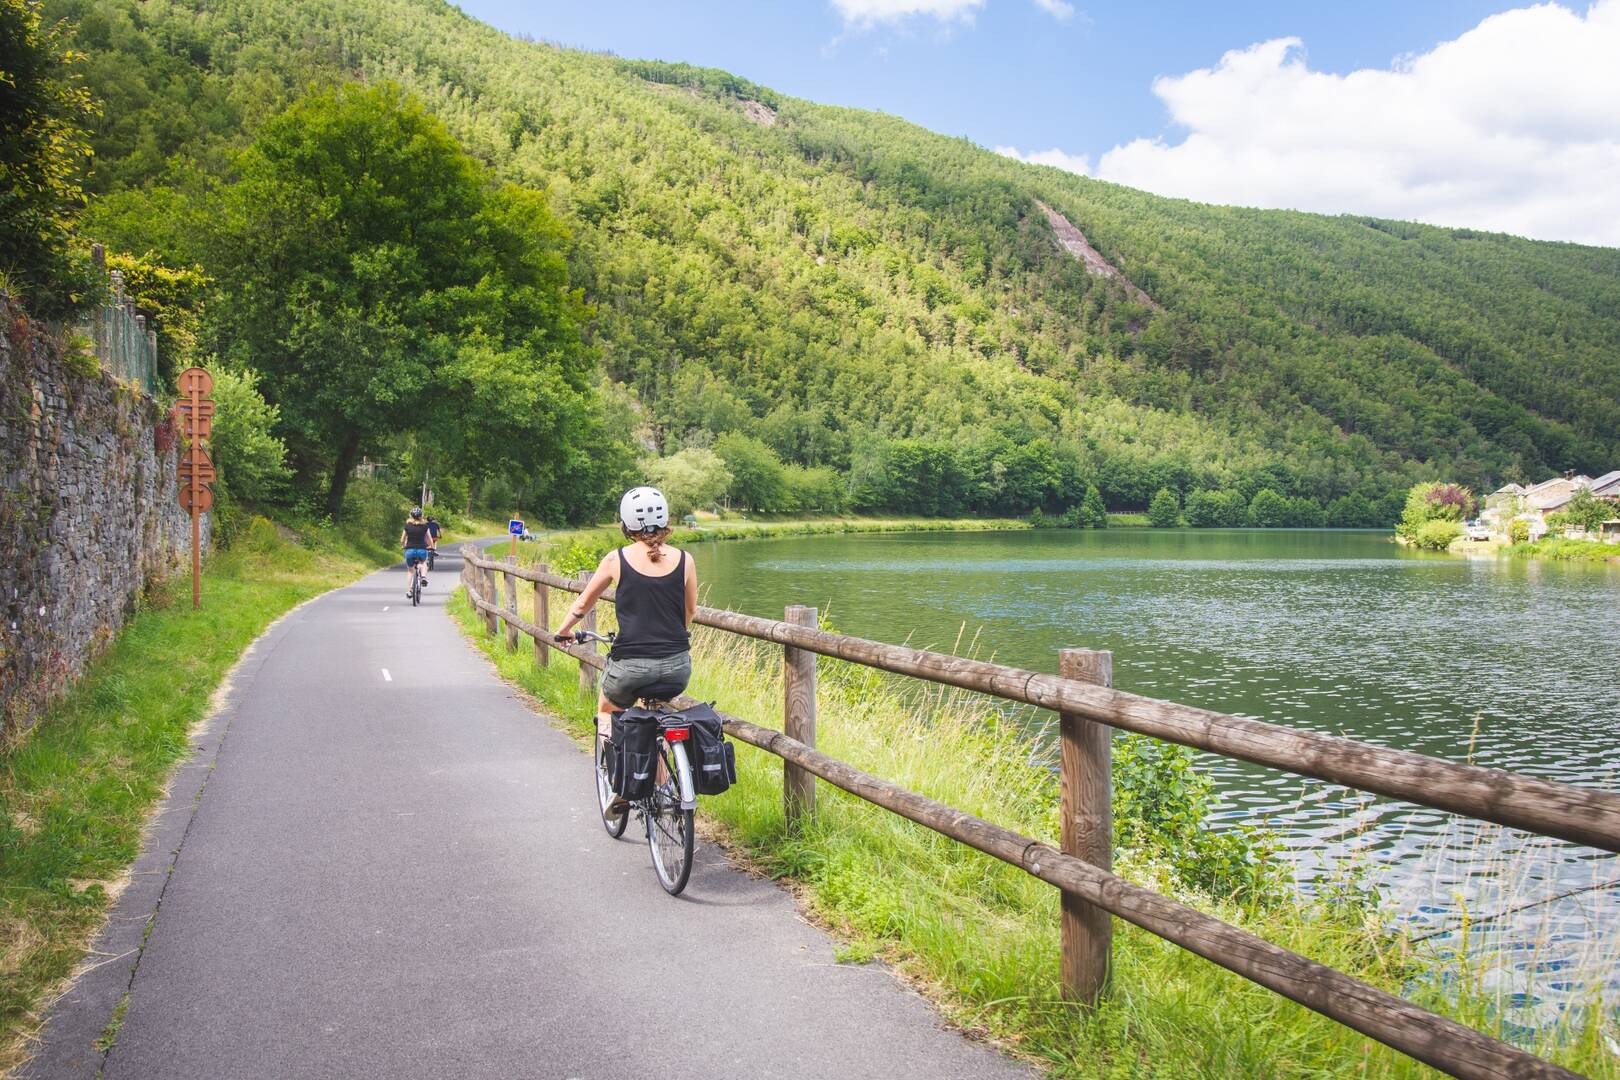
pixel 644 508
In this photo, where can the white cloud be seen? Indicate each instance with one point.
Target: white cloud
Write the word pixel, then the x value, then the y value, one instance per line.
pixel 1514 126
pixel 1075 163
pixel 1058 9
pixel 865 13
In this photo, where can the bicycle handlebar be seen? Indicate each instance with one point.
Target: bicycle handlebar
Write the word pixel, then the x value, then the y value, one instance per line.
pixel 580 637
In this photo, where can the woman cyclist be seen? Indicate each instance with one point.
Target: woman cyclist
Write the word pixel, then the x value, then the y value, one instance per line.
pixel 656 599
pixel 416 538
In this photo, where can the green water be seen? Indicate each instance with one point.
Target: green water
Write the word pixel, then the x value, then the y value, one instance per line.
pixel 1508 663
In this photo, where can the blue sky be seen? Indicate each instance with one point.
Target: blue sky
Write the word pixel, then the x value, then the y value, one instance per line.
pixel 1013 76
pixel 1043 75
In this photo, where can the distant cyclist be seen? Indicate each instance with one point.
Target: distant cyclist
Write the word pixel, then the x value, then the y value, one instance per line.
pixel 656 600
pixel 416 538
pixel 434 528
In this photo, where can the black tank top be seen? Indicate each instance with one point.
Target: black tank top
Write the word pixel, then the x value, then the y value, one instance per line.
pixel 416 533
pixel 652 613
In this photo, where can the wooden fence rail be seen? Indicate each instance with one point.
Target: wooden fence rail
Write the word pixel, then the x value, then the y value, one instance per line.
pixel 1086 702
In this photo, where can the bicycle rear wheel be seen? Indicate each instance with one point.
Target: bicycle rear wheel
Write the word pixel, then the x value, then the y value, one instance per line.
pixel 669 832
pixel 614 825
pixel 416 589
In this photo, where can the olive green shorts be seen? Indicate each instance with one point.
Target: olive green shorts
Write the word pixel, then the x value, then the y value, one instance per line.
pixel 624 680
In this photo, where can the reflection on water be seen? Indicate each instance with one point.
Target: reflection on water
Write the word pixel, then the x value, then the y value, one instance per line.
pixel 1506 663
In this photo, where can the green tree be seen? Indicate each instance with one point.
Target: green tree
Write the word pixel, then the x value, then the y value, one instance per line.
pixel 1093 514
pixel 691 480
pixel 1433 502
pixel 252 460
pixel 380 283
pixel 1586 511
pixel 757 479
pixel 1163 511
pixel 45 114
pixel 1353 511
pixel 1217 509
pixel 1268 510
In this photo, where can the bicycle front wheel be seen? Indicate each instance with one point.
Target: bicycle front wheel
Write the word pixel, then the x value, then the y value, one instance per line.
pixel 669 828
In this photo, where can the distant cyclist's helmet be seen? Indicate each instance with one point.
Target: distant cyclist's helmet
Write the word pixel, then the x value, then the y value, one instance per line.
pixel 643 509
pixel 416 511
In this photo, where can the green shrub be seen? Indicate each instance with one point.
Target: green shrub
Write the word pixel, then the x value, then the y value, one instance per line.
pixel 1162 806
pixel 373 512
pixel 1436 535
pixel 1519 532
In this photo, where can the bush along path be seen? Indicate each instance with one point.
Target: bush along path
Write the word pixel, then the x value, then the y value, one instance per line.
pixel 395 869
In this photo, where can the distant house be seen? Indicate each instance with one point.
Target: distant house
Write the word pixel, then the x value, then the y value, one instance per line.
pixel 1551 496
pixel 1609 531
pixel 1532 504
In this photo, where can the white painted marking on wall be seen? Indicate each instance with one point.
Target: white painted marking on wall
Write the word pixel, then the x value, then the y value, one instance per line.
pixel 387 677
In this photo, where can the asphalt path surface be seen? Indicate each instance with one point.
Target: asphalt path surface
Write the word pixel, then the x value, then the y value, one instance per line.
pixel 380 863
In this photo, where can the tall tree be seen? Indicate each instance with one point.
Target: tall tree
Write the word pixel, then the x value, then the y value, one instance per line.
pixel 380 283
pixel 44 145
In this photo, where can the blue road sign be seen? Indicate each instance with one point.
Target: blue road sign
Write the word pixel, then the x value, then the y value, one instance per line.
pixel 515 526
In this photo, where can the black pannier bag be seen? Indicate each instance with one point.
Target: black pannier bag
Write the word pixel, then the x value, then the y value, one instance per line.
pixel 633 753
pixel 714 760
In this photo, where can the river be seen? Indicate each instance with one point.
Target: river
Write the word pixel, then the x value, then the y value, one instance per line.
pixel 1508 663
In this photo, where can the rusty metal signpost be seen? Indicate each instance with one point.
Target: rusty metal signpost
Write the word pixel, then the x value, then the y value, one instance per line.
pixel 194 417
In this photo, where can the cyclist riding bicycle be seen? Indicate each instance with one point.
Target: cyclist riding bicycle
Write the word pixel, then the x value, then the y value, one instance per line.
pixel 656 600
pixel 434 528
pixel 416 538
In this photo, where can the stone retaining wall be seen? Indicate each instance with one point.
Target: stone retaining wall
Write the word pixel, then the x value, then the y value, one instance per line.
pixel 88 513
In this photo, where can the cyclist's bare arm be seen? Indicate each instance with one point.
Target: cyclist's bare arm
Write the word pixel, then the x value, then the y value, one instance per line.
pixel 691 589
pixel 606 576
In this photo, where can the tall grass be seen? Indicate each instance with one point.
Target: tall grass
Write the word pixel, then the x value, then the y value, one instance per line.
pixel 76 791
pixel 982 937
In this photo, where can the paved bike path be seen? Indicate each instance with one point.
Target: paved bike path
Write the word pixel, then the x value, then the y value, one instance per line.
pixel 381 863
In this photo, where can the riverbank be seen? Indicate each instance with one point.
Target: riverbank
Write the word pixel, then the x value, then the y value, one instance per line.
pixel 981 938
pixel 76 793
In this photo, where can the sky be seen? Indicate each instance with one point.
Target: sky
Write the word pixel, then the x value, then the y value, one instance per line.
pixel 1491 115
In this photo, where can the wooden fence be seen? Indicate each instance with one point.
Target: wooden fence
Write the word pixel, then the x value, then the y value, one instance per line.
pixel 1088 707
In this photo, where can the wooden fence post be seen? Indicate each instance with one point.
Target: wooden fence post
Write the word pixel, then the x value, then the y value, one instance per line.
pixel 1086 807
pixel 799 718
pixel 511 605
pixel 542 618
pixel 491 597
pixel 587 674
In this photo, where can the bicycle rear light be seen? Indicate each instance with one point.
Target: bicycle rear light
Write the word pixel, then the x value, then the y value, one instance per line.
pixel 678 734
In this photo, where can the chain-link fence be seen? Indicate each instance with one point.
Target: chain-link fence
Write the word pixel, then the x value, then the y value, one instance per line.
pixel 126 346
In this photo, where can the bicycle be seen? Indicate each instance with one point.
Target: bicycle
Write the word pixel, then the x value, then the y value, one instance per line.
pixel 667 812
pixel 415 587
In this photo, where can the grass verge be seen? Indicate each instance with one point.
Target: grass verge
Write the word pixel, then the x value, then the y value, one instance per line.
pixel 76 792
pixel 981 938
pixel 1567 550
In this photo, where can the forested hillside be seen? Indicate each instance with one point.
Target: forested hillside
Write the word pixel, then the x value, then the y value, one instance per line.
pixel 866 296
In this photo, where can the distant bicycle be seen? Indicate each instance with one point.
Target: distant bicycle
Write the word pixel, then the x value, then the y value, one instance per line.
pixel 664 771
pixel 414 590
